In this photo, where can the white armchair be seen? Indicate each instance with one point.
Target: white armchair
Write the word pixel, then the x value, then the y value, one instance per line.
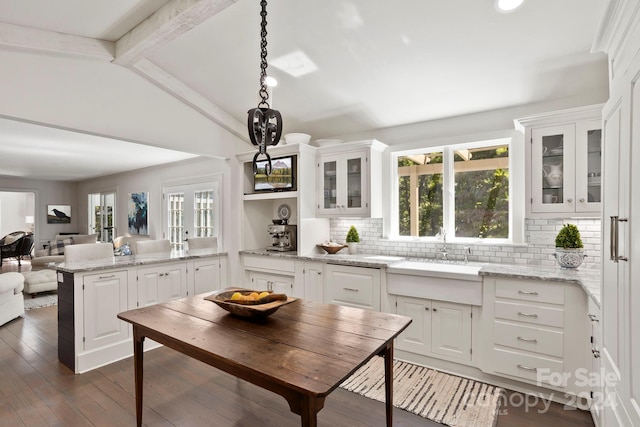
pixel 11 299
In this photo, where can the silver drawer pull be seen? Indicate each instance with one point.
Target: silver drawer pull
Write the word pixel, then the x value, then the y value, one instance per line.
pixel 533 340
pixel 534 316
pixel 528 293
pixel 350 289
pixel 527 368
pixel 111 276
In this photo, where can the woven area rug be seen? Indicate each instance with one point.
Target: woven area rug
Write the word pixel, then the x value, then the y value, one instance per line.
pixel 41 300
pixel 443 398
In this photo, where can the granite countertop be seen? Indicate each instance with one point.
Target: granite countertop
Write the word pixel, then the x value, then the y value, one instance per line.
pixel 135 260
pixel 588 278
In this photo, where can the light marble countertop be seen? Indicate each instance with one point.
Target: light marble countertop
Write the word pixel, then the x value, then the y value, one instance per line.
pixel 588 278
pixel 135 260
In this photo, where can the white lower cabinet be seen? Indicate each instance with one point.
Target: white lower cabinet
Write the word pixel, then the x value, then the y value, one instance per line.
pixel 206 275
pixel 438 328
pixel 352 286
pixel 277 283
pixel 104 296
pixel 161 283
pixel 532 333
pixel 313 281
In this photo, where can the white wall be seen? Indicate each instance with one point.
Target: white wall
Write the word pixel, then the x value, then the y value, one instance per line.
pixel 14 206
pixel 46 193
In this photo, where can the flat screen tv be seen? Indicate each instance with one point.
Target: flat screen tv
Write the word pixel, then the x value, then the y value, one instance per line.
pixel 282 178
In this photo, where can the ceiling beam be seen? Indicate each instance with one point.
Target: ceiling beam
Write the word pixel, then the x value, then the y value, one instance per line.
pixel 169 22
pixel 190 97
pixel 25 38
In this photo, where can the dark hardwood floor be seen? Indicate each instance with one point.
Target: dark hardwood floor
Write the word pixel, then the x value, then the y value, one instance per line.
pixel 36 390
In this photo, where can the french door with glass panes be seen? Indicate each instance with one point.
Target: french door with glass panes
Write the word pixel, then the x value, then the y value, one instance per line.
pixel 192 210
pixel 102 208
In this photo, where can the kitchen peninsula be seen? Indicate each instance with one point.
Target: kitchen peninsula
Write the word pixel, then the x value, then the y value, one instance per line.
pixel 92 293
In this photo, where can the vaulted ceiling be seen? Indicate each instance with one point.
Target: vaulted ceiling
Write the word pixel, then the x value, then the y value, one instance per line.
pixel 170 74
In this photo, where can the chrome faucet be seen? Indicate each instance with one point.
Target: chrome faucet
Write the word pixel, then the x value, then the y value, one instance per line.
pixel 467 252
pixel 442 248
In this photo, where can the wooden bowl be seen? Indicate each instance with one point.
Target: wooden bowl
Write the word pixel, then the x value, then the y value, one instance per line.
pixel 333 249
pixel 258 310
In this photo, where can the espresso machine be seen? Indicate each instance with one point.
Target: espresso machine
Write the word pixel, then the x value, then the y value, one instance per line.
pixel 283 237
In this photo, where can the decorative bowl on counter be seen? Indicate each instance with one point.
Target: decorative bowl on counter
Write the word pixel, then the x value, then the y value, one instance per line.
pixel 332 249
pixel 246 308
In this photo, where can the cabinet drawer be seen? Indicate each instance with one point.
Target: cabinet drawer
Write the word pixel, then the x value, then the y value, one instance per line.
pixel 269 263
pixel 530 291
pixel 529 338
pixel 358 293
pixel 530 313
pixel 532 368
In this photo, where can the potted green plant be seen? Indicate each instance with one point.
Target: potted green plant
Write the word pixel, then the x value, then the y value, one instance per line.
pixel 353 239
pixel 569 247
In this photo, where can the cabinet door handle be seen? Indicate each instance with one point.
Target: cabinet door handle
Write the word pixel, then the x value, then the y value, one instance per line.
pixel 593 318
pixel 569 200
pixel 531 340
pixel 111 276
pixel 614 239
pixel 528 293
pixel 350 289
pixel 535 316
pixel 426 308
pixel 527 368
pixel 434 309
pixel 582 200
pixel 596 352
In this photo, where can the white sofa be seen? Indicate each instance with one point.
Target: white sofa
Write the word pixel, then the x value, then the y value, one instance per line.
pixel 11 299
pixel 55 250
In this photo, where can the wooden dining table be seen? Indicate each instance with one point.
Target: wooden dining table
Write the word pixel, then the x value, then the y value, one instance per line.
pixel 302 352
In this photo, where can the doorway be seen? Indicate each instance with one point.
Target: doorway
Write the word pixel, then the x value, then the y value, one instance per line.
pixel 102 208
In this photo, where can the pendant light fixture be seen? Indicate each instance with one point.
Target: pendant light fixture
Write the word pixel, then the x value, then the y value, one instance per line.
pixel 264 124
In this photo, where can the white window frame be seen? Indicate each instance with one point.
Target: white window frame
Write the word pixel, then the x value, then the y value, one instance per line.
pixel 516 181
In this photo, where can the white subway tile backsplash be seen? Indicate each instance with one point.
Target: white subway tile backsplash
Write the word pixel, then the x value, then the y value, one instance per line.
pixel 539 235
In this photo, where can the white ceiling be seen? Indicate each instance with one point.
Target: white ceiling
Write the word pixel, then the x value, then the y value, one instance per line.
pixel 379 63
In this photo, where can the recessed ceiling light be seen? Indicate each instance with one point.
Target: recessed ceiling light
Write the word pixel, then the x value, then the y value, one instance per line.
pixel 506 6
pixel 296 64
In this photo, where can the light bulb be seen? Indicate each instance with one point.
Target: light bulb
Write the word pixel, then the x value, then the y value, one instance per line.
pixel 508 5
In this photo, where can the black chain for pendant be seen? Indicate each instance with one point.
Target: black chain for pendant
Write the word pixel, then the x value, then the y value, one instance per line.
pixel 264 95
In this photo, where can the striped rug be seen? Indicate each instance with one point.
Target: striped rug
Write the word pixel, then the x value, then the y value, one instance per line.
pixel 443 398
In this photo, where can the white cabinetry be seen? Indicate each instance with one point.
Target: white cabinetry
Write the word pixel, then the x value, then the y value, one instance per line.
pixel 161 283
pixel 104 296
pixel 352 286
pixel 271 272
pixel 439 329
pixel 532 332
pixel 564 151
pixel 596 380
pixel 207 275
pixel 619 37
pixel 313 281
pixel 349 180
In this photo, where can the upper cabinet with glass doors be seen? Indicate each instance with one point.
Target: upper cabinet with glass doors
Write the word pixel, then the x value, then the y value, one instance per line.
pixel 564 162
pixel 350 179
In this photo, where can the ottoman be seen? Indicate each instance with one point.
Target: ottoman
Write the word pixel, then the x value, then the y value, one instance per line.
pixel 40 281
pixel 11 300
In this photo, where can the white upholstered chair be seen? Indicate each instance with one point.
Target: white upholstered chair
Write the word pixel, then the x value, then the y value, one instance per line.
pixel 88 252
pixel 145 247
pixel 11 299
pixel 203 243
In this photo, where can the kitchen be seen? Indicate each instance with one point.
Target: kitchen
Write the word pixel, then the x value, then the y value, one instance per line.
pixel 483 124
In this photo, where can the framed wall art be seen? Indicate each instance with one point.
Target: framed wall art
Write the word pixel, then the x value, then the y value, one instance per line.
pixel 58 214
pixel 137 213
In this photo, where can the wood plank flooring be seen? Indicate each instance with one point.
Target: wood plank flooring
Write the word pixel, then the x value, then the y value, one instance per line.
pixel 37 390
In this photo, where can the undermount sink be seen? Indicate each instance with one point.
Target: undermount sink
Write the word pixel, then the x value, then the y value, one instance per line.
pixel 385 257
pixel 459 283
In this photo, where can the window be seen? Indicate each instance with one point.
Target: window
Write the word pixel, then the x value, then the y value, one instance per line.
pixel 463 189
pixel 193 210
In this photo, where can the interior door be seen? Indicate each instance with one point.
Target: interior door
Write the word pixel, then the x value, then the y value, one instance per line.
pixel 102 208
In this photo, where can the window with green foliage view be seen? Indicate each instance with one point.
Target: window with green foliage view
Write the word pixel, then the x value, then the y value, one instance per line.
pixel 464 189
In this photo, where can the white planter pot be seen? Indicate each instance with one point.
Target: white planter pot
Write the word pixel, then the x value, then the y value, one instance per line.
pixel 569 258
pixel 353 248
